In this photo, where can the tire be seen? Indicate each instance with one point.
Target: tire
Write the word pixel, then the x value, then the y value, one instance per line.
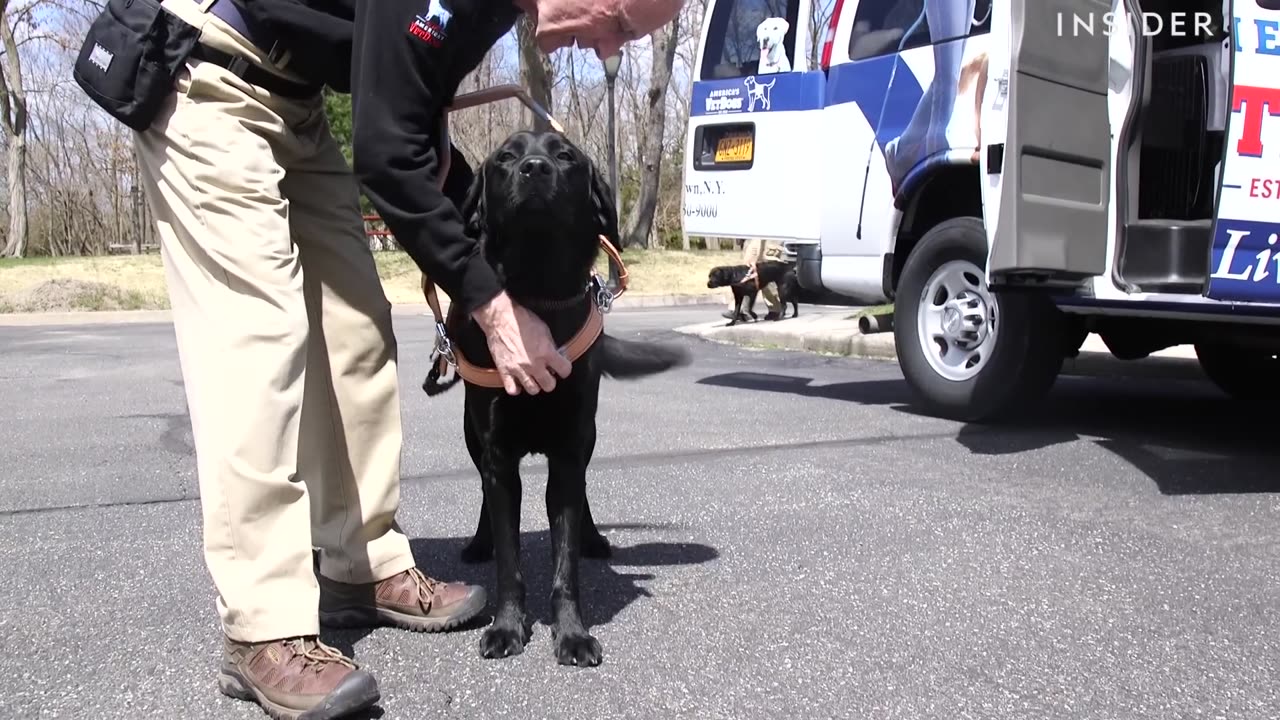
pixel 1241 373
pixel 1018 355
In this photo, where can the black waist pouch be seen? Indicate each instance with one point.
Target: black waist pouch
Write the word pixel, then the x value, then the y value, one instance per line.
pixel 131 57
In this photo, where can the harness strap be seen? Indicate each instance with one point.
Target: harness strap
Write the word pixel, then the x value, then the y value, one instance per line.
pixel 577 346
pixel 613 254
pixel 574 349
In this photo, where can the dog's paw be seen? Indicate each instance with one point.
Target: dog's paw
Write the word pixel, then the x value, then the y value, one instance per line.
pixel 476 552
pixel 499 641
pixel 578 649
pixel 596 547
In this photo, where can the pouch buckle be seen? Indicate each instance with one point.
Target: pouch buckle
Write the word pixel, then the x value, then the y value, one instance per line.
pixel 238 66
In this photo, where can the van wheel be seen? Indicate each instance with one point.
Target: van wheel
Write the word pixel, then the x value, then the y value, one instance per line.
pixel 968 354
pixel 1239 372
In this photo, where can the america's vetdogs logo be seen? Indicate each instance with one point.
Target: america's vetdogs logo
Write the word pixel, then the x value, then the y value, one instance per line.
pixel 731 99
pixel 758 92
pixel 724 100
pixel 431 27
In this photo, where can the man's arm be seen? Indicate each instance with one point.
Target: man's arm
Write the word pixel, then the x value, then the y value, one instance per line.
pixel 396 109
pixel 396 112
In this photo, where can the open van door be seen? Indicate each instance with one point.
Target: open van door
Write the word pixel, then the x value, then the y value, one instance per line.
pixel 1046 142
pixel 752 151
pixel 1244 261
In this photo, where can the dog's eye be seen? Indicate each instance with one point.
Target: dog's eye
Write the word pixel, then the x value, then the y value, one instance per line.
pixel 565 156
pixel 506 157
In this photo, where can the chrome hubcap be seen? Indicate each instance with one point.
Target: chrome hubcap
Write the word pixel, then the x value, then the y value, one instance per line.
pixel 956 320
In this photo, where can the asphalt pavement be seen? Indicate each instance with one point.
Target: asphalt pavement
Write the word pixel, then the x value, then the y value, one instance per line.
pixel 792 541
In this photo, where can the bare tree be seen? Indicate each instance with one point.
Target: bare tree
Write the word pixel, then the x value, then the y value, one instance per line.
pixel 73 184
pixel 819 19
pixel 535 70
pixel 13 116
pixel 639 225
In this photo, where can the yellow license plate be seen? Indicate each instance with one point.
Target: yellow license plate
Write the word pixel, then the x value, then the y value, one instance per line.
pixel 735 148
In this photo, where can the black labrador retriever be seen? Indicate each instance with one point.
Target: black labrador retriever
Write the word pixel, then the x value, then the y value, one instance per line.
pixel 538 206
pixel 745 291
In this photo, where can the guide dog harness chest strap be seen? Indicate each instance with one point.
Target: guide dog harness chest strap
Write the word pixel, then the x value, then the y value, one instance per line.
pixel 445 354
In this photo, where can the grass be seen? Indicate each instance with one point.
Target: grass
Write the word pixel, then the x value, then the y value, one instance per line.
pixel 136 282
pixel 874 310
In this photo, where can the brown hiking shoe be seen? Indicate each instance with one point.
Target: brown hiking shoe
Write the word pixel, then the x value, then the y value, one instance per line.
pixel 296 679
pixel 410 600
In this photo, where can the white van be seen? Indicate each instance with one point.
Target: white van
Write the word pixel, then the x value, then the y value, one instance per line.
pixel 1014 175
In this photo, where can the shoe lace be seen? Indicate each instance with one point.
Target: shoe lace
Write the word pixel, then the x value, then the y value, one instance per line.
pixel 427 587
pixel 316 656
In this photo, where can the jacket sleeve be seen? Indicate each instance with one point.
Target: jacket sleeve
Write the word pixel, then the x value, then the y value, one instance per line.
pixel 397 103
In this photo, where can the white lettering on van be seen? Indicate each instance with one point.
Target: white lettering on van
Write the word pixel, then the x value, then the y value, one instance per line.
pixel 723 104
pixel 724 100
pixel 1258 269
pixel 1229 254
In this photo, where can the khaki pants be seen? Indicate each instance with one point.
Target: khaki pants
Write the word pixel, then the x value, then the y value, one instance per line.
pixel 285 341
pixel 755 251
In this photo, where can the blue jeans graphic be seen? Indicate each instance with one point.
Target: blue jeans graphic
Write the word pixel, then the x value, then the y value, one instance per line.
pixel 926 133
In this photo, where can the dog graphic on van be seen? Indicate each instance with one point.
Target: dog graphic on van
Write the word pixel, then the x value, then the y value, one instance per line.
pixel 758 92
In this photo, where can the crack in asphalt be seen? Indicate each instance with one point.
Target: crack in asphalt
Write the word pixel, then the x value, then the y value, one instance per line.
pixel 653 459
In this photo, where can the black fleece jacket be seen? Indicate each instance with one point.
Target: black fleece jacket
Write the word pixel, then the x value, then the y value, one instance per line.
pixel 405 60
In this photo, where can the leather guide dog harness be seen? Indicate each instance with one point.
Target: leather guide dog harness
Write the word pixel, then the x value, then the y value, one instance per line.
pixel 445 354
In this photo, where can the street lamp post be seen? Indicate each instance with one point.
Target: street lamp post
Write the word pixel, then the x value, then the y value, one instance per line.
pixel 611 66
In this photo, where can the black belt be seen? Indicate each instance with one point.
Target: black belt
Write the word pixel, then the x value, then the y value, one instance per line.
pixel 254 75
pixel 229 12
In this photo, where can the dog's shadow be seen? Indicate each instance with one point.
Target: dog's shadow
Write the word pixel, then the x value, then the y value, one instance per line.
pixel 607 586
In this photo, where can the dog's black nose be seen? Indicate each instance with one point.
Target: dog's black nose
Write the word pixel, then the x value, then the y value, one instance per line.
pixel 535 166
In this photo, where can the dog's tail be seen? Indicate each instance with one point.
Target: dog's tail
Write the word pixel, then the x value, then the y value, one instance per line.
pixel 627 360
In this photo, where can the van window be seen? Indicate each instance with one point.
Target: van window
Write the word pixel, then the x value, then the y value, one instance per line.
pixel 880 26
pixel 731 50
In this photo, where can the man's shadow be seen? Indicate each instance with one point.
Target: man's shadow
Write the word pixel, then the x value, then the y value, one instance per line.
pixel 606 588
pixel 1185 435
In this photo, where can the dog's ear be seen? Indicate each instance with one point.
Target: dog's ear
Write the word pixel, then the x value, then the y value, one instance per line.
pixel 473 206
pixel 606 212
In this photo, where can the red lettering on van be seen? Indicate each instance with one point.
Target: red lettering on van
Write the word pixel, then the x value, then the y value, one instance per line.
pixel 1254 100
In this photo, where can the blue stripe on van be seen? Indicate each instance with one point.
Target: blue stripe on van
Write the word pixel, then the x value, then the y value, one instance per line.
pixel 1245 262
pixel 783 92
pixel 866 83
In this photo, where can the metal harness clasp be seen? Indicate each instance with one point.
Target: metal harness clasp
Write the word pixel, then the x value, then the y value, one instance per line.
pixel 443 346
pixel 604 298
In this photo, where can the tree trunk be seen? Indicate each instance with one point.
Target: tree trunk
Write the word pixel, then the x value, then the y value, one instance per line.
pixel 535 72
pixel 13 115
pixel 639 224
pixel 16 245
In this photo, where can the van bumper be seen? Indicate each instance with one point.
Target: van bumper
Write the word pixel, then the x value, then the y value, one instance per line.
pixel 809 267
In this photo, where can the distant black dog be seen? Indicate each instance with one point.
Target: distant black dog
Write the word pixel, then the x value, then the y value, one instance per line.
pixel 734 277
pixel 539 206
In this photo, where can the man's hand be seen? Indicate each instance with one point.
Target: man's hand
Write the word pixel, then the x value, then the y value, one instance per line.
pixel 523 350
